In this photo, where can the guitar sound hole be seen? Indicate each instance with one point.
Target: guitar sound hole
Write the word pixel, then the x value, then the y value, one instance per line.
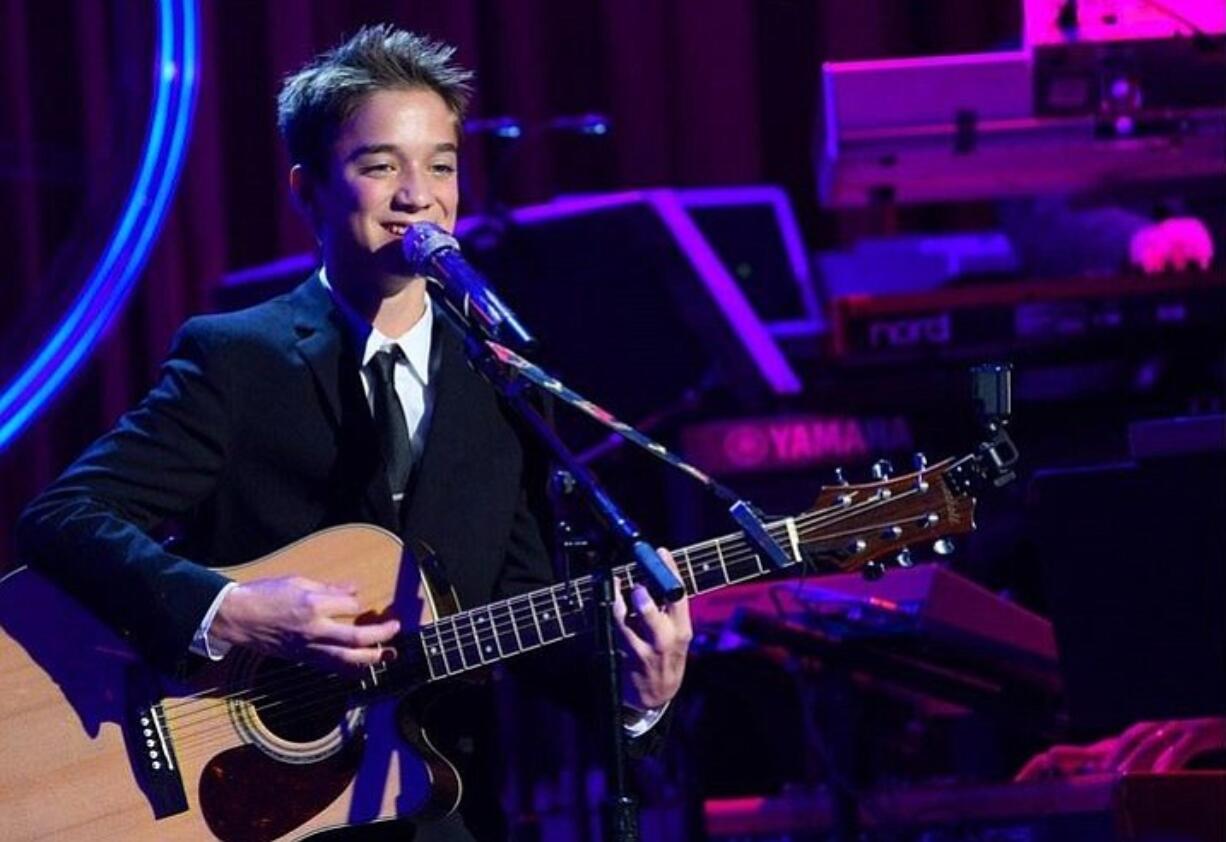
pixel 298 703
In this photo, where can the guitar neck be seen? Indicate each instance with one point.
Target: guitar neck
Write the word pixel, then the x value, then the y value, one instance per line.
pixel 478 637
pixel 851 526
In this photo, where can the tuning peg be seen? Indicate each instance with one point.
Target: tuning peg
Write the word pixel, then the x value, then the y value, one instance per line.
pixel 873 571
pixel 919 461
pixel 857 546
pixel 943 546
pixel 882 469
pixel 839 479
pixel 928 521
pixel 903 559
pixel 892 533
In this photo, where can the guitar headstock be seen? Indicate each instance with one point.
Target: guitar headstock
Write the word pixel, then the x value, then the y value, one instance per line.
pixel 854 526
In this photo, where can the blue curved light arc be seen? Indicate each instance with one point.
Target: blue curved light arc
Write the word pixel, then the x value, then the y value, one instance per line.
pixel 174 91
pixel 101 276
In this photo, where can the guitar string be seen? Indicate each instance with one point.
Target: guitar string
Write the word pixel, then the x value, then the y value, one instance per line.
pixel 467 637
pixel 519 609
pixel 464 638
pixel 471 638
pixel 189 738
pixel 331 697
pixel 460 626
pixel 189 741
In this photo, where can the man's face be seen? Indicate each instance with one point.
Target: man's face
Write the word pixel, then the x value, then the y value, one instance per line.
pixel 393 162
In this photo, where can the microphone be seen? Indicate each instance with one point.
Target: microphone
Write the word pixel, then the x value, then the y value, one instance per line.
pixel 433 253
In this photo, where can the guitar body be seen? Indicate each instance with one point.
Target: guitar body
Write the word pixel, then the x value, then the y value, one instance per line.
pixel 98 746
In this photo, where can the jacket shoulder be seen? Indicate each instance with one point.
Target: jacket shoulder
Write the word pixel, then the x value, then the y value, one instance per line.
pixel 268 325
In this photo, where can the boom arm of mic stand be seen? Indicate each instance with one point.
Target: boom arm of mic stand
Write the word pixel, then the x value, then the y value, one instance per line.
pixel 662 582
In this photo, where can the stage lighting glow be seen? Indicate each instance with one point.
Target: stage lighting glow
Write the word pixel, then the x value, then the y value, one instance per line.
pixel 111 280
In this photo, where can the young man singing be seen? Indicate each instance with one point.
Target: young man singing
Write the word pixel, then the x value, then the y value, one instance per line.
pixel 342 401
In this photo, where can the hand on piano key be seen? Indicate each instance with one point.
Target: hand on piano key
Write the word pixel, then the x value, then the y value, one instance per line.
pixel 1177 243
pixel 1145 747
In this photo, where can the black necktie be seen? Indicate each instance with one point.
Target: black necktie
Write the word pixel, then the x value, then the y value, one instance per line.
pixel 389 420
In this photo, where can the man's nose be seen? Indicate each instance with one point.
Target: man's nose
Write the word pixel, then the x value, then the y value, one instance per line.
pixel 413 191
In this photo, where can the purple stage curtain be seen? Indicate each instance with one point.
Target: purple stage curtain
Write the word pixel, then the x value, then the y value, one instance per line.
pixel 700 92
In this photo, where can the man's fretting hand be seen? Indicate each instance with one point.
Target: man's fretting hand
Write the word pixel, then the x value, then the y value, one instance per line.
pixel 302 620
pixel 654 642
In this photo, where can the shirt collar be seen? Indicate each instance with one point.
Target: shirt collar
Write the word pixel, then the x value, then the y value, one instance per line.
pixel 415 343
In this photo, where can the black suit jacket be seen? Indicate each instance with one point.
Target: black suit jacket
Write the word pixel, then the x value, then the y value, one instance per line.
pixel 257 434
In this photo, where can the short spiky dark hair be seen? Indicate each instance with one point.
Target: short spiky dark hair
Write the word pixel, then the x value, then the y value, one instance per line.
pixel 318 98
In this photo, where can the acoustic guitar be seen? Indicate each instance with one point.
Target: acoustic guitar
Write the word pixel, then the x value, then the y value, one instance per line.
pixel 97 745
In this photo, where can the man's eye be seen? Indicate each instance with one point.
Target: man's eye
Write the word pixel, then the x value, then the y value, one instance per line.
pixel 377 168
pixel 444 169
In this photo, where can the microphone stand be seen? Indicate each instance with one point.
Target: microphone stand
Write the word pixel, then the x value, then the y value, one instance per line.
pixel 621 820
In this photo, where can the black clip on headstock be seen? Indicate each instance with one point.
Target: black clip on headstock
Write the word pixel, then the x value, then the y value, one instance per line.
pixel 992 395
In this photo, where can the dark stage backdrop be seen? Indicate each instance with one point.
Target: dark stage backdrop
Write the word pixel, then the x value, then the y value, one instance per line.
pixel 700 92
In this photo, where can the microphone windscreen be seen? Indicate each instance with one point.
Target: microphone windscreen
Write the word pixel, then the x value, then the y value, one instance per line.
pixel 422 242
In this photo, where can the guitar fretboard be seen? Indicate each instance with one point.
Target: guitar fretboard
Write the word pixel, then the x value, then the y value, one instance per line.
pixel 858 525
pixel 481 636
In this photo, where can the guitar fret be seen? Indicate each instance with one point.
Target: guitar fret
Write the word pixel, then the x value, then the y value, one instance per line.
pixel 476 637
pixel 752 573
pixel 505 631
pixel 455 631
pixel 530 629
pixel 685 554
pixel 709 574
pixel 723 563
pixel 448 649
pixel 697 585
pixel 565 610
pixel 434 654
pixel 470 646
pixel 575 612
pixel 425 652
pixel 553 594
pixel 549 623
pixel 483 647
pixel 493 632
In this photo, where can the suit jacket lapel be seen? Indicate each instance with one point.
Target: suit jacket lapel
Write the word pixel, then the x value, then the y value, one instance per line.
pixel 320 341
pixel 324 344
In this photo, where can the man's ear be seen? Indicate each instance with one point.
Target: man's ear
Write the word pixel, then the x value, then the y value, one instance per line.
pixel 302 188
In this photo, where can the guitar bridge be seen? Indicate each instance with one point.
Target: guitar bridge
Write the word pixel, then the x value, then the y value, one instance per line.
pixel 152 754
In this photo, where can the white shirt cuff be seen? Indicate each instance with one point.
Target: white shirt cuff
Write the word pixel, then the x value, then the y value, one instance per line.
pixel 645 721
pixel 201 645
